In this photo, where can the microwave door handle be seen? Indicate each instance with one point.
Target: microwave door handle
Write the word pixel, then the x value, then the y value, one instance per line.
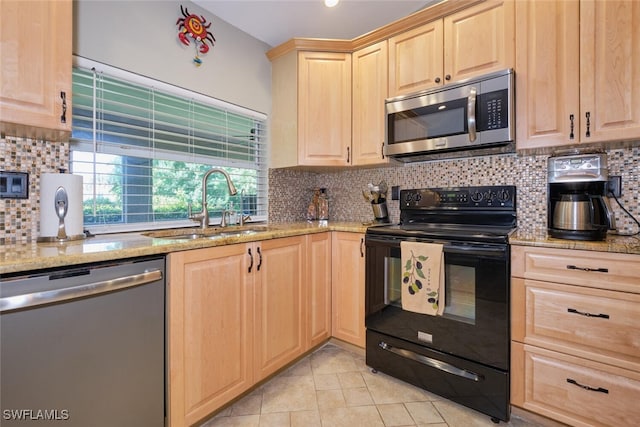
pixel 471 114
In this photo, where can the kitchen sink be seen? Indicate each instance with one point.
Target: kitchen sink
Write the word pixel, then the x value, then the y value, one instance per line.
pixel 208 233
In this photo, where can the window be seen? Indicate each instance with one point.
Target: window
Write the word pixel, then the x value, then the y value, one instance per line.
pixel 143 146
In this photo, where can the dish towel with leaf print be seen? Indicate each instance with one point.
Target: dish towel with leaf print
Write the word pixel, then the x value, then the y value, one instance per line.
pixel 422 277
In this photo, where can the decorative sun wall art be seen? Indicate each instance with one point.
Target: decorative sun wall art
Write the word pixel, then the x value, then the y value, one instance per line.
pixel 195 27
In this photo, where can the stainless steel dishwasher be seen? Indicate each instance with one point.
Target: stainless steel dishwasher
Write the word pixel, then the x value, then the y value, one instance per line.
pixel 84 346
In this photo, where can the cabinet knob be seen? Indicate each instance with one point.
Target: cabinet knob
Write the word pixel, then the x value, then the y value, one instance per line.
pixel 437 80
pixel 447 77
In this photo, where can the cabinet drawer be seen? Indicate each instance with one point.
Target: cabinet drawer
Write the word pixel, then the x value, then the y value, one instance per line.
pixel 585 319
pixel 575 391
pixel 585 268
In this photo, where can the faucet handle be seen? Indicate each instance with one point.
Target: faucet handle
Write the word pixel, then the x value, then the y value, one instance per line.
pixel 189 212
pixel 244 218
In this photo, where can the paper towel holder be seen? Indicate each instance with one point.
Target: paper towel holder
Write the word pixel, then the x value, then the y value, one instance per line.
pixel 61 207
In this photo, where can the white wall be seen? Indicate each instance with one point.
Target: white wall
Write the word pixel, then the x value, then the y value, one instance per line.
pixel 142 36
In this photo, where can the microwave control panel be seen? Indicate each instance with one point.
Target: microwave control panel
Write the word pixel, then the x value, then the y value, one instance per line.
pixel 493 110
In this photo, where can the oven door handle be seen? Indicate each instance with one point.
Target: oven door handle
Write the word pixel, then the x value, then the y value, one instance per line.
pixel 471 114
pixel 434 363
pixel 475 250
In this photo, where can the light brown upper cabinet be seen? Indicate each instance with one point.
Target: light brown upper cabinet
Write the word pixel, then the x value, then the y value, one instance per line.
pixel 369 92
pixel 474 41
pixel 35 70
pixel 311 117
pixel 577 72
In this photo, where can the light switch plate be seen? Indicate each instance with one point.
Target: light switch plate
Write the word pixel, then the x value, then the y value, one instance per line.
pixel 14 185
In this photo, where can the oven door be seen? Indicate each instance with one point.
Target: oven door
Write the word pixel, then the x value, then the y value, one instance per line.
pixel 475 323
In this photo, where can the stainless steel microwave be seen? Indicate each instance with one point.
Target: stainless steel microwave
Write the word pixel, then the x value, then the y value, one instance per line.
pixel 467 118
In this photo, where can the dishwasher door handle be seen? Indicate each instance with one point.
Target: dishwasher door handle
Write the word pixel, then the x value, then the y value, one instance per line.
pixel 63 294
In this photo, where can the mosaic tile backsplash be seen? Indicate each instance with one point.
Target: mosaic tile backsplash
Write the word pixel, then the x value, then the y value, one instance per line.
pixel 19 217
pixel 290 190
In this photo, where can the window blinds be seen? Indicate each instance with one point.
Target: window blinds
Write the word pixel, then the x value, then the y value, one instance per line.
pixel 143 147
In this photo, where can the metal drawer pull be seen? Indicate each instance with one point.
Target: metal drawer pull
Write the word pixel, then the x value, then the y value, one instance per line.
pixel 571 126
pixel 598 270
pixel 251 259
pixel 63 116
pixel 74 292
pixel 582 313
pixel 586 387
pixel 260 257
pixel 438 364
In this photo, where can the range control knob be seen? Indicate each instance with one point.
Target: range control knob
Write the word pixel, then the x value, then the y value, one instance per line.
pixel 503 195
pixel 476 196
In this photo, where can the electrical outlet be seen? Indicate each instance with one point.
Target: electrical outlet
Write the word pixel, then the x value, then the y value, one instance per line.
pixel 395 192
pixel 614 186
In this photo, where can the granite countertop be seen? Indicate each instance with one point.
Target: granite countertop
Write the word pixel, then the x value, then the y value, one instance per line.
pixel 106 247
pixel 15 258
pixel 540 237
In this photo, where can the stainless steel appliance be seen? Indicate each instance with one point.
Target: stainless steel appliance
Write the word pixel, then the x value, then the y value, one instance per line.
pixel 578 208
pixel 462 355
pixel 471 117
pixel 84 346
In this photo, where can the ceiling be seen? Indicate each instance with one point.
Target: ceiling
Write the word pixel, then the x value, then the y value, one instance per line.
pixel 275 22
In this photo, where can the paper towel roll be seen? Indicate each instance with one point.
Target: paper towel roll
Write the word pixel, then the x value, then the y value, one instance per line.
pixel 74 223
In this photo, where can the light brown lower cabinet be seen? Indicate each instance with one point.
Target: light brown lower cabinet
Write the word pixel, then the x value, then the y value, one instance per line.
pixel 318 287
pixel 237 314
pixel 575 350
pixel 347 284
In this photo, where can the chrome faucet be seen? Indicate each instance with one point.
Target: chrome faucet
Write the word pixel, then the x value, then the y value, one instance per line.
pixel 203 216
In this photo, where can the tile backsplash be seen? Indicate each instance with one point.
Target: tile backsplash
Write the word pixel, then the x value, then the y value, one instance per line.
pixel 290 190
pixel 20 217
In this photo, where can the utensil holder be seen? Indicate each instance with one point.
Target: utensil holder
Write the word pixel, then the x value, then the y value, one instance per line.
pixel 380 211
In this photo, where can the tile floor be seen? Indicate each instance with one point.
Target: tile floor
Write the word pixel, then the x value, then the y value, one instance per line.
pixel 332 387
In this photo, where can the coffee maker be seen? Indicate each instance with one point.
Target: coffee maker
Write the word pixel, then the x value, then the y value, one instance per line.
pixel 578 207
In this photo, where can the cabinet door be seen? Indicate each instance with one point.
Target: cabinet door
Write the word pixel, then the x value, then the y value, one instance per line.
pixel 318 288
pixel 210 298
pixel 416 59
pixel 610 70
pixel 279 303
pixel 369 93
pixel 348 287
pixel 479 40
pixel 324 108
pixel 35 46
pixel 547 73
